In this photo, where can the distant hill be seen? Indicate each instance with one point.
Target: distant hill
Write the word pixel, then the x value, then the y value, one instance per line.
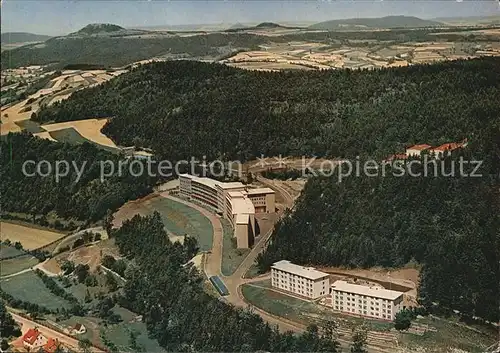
pixel 261 26
pixel 470 21
pixel 99 28
pixel 381 22
pixel 238 26
pixel 268 25
pixel 22 37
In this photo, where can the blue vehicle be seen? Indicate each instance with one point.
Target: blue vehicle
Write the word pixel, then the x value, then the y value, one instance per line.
pixel 219 285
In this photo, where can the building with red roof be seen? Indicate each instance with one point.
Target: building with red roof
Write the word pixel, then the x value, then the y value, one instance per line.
pixel 416 150
pixel 51 346
pixel 33 339
pixel 447 148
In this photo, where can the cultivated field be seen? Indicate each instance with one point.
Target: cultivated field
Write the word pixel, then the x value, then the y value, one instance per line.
pixel 57 89
pixel 9 251
pixel 30 238
pixel 9 267
pixel 359 54
pixel 12 114
pixel 89 129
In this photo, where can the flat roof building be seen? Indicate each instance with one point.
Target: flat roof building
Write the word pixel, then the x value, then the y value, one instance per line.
pixel 264 199
pixel 367 301
pixel 303 281
pixel 232 201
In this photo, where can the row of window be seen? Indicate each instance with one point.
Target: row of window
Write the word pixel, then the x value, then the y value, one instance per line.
pixel 364 298
pixel 306 292
pixel 291 278
pixel 257 198
pixel 364 312
pixel 341 303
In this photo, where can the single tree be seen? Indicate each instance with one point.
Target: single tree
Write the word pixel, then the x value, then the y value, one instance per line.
pixel 402 321
pixel 359 340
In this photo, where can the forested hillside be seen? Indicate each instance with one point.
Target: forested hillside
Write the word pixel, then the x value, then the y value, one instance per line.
pixel 87 199
pixel 22 37
pixel 449 225
pixel 177 311
pixel 120 51
pixel 122 48
pixel 183 109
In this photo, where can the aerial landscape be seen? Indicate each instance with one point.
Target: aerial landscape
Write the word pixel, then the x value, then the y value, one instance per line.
pixel 231 176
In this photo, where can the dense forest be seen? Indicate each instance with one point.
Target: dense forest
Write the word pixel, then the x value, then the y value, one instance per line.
pixel 449 225
pixel 183 109
pixel 87 199
pixel 180 314
pixel 122 50
pixel 111 51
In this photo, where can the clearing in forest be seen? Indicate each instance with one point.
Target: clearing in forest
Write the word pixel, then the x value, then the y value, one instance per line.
pixel 89 129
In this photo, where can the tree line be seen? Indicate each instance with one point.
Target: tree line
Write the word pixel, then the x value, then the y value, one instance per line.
pixel 448 225
pixel 183 109
pixel 112 51
pixel 89 199
pixel 169 294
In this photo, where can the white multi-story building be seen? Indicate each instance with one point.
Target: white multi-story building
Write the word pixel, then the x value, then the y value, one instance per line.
pixel 263 199
pixel 303 281
pixel 232 200
pixel 417 150
pixel 373 302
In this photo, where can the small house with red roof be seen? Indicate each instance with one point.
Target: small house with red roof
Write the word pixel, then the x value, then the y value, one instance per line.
pixel 416 150
pixel 33 339
pixel 447 148
pixel 51 345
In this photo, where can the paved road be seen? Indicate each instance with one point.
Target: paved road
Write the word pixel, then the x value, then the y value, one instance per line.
pixel 213 264
pixel 48 332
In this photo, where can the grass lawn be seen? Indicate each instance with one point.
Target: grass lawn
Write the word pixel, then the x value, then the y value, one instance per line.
pixel 8 251
pixel 30 288
pixel 231 256
pixel 30 126
pixel 120 334
pixel 180 219
pixel 279 304
pixel 91 324
pixel 252 272
pixel 450 334
pixel 302 311
pixel 8 267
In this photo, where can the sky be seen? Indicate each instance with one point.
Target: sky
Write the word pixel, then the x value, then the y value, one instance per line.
pixel 58 17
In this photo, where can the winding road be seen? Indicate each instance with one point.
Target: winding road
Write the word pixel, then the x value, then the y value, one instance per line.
pixel 213 266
